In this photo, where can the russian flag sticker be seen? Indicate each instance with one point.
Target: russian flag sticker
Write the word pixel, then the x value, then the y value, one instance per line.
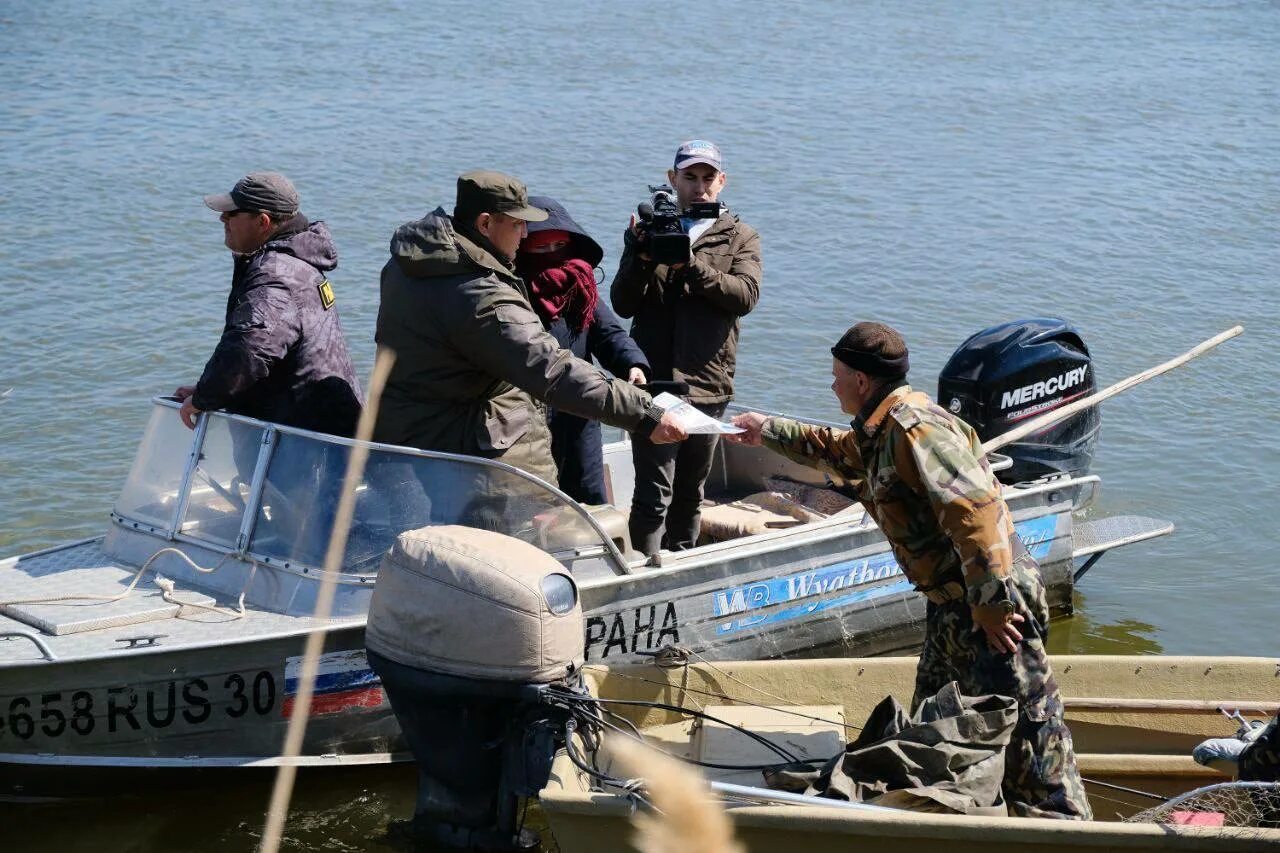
pixel 344 682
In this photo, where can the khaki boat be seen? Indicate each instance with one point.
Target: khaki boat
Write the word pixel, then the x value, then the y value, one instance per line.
pixel 1134 721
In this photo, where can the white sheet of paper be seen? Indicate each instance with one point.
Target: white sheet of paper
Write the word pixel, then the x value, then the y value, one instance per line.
pixel 693 421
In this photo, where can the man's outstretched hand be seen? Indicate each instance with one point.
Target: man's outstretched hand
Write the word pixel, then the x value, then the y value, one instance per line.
pixel 668 430
pixel 752 424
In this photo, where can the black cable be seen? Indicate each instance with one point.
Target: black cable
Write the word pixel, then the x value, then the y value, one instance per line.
pixel 739 700
pixel 787 756
pixel 773 766
pixel 596 773
pixel 635 731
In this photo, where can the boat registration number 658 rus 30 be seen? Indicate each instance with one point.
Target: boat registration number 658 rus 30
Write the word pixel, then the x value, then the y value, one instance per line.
pixel 193 701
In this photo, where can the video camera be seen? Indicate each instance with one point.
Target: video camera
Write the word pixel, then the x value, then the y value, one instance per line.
pixel 661 233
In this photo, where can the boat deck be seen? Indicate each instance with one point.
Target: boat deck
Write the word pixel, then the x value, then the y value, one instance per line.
pixel 138 623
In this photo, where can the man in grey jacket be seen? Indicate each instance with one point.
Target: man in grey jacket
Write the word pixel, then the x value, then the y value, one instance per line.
pixel 475 369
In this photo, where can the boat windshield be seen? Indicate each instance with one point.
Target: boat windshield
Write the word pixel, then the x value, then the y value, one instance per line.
pixel 272 492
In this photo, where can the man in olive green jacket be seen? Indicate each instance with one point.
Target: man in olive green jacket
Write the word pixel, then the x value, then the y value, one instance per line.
pixel 474 366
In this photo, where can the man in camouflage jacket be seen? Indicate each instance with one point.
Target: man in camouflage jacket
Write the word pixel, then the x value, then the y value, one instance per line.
pixel 922 476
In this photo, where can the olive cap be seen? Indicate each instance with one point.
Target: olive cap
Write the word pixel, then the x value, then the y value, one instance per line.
pixel 483 191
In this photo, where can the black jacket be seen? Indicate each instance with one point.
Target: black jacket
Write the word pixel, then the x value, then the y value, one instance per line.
pixel 576 443
pixel 283 356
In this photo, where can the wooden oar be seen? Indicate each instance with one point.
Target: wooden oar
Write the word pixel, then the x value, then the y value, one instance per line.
pixel 1050 418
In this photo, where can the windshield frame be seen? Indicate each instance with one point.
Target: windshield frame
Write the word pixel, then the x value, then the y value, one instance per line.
pixel 270 441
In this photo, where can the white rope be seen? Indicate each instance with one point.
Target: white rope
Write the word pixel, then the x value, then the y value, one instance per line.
pixel 166 588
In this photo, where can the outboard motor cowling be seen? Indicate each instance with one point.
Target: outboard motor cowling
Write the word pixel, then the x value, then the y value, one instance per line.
pixel 1007 374
pixel 468 629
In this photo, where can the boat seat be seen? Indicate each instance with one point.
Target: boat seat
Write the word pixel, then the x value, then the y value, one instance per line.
pixel 757 513
pixel 555 535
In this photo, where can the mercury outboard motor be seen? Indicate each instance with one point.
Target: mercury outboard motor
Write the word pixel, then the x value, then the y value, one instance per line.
pixel 1010 373
pixel 468 630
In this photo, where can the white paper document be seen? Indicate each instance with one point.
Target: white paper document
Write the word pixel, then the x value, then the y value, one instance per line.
pixel 693 421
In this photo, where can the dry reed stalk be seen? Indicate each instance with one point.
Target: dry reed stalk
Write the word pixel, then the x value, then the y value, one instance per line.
pixel 282 791
pixel 691 820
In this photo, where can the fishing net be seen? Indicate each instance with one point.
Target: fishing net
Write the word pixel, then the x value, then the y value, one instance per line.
pixel 1255 804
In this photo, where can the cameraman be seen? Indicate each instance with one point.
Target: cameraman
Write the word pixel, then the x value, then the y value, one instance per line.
pixel 686 322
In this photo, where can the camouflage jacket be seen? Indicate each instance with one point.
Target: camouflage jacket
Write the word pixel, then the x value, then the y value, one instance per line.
pixel 922 476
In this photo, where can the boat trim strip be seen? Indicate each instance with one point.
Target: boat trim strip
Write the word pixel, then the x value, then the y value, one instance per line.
pixel 195 761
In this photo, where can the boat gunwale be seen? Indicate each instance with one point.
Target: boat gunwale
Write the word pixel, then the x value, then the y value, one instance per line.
pixel 814 532
pixel 911 826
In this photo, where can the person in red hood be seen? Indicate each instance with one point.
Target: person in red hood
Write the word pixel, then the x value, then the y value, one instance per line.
pixel 558 262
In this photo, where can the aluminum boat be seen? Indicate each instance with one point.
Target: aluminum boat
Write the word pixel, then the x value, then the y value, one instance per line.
pixel 174 640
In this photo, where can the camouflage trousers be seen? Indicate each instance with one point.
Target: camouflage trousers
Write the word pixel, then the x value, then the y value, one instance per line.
pixel 1040 777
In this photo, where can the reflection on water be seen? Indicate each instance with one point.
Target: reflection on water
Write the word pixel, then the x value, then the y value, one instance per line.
pixel 338 810
pixel 1085 633
pixel 356 809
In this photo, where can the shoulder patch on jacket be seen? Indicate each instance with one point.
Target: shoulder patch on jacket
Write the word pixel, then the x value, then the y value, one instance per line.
pixel 905 415
pixel 326 294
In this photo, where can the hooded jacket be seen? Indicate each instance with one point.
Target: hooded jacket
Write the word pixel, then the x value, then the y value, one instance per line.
pixel 474 365
pixel 282 356
pixel 576 443
pixel 686 320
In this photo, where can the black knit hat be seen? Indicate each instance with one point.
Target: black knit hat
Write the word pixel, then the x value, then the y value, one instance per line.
pixel 875 349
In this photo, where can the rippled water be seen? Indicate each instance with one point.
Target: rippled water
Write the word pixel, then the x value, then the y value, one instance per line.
pixel 942 167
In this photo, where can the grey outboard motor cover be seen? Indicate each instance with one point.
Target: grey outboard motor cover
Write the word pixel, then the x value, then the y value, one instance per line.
pixel 476 604
pixel 1007 374
pixel 470 632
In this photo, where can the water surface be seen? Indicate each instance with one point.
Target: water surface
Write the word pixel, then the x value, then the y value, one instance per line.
pixel 942 167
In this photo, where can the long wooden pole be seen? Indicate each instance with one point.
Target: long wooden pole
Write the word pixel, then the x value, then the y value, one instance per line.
pixel 1185 706
pixel 282 791
pixel 1050 418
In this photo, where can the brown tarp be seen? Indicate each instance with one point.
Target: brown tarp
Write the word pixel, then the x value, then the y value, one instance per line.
pixel 948 758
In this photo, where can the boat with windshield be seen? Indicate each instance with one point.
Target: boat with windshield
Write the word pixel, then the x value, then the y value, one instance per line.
pixel 175 639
